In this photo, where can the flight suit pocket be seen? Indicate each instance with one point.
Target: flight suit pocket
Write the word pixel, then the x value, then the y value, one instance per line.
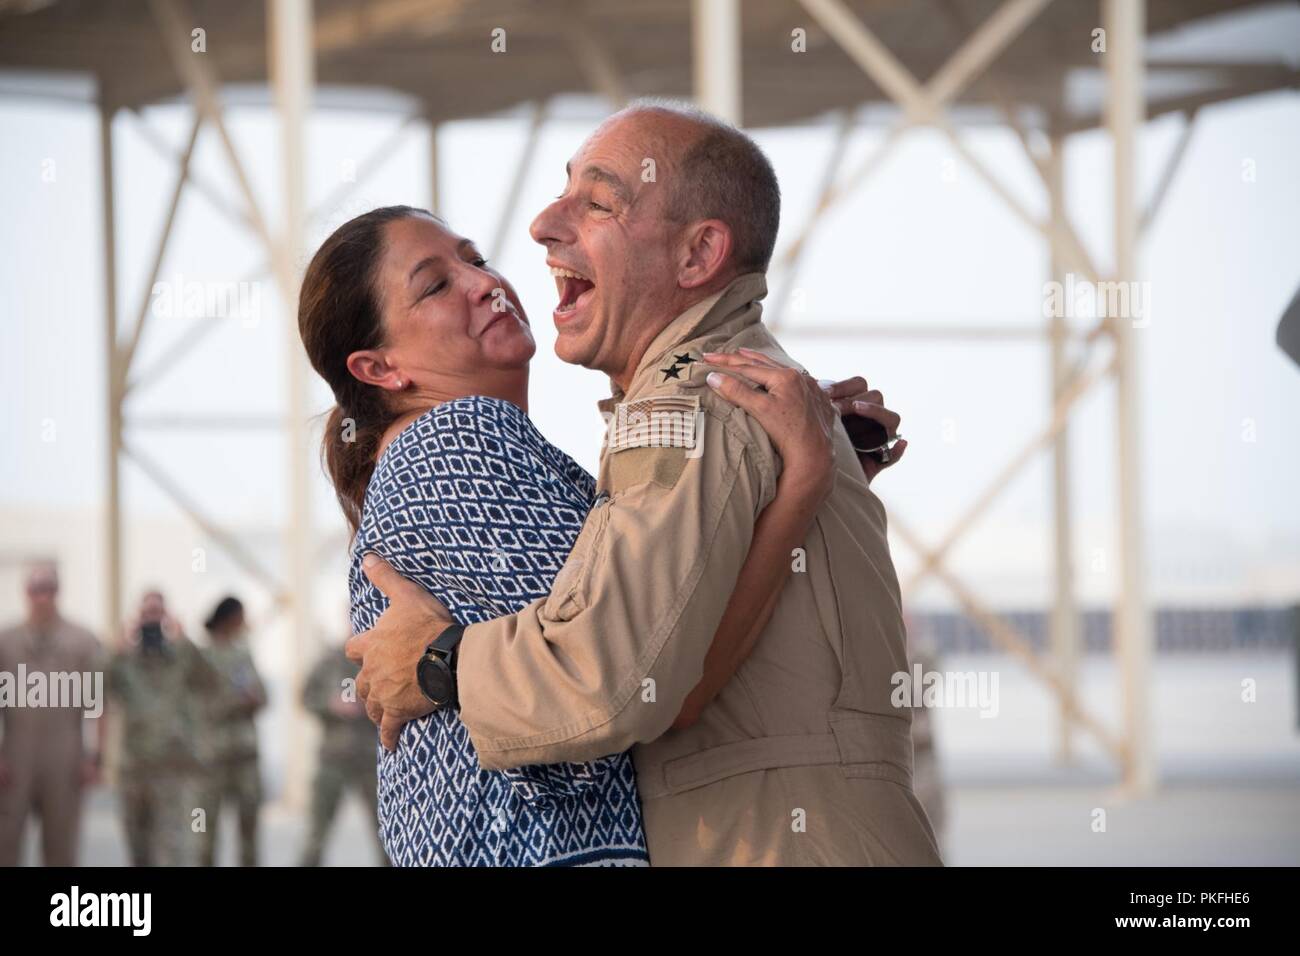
pixel 569 593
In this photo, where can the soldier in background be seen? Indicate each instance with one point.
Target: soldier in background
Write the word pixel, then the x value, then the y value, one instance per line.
pixel 229 714
pixel 44 764
pixel 347 754
pixel 159 678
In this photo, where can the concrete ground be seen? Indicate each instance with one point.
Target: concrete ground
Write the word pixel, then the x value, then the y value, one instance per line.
pixel 1184 825
pixel 1229 772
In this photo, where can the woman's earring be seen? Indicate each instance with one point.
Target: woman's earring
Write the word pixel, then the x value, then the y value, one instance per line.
pixel 399 383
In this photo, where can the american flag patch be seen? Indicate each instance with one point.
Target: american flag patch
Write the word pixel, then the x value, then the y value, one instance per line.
pixel 665 421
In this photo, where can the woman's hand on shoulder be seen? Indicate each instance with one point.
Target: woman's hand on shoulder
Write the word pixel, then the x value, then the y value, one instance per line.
pixel 799 413
pixel 792 408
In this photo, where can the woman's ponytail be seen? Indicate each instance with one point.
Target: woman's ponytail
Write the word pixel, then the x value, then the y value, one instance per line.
pixel 338 314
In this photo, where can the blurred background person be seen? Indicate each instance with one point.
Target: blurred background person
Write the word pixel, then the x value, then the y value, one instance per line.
pixel 230 711
pixel 346 758
pixel 44 760
pixel 159 679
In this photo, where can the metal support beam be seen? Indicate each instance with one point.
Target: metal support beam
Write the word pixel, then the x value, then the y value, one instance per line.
pixel 112 380
pixel 1065 612
pixel 220 204
pixel 838 192
pixel 1074 389
pixel 173 21
pixel 957 14
pixel 1055 231
pixel 594 60
pixel 1125 25
pixel 371 164
pixel 1168 174
pixel 1013 642
pixel 716 47
pixel 872 56
pixel 292 72
pixel 983 46
pixel 367 168
pixel 128 350
pixel 1285 78
pixel 174 490
pixel 522 169
pixel 924 104
pixel 794 253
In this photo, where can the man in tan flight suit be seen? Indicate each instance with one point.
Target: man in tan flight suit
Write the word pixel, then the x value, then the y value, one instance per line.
pixel 801 759
pixel 44 764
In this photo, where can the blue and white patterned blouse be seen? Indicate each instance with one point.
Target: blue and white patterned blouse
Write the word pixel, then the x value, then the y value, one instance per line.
pixel 471 502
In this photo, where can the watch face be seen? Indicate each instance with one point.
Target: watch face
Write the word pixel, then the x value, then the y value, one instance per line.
pixel 435 680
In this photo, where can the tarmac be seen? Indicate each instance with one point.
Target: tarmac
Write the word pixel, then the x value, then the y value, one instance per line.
pixel 1227 770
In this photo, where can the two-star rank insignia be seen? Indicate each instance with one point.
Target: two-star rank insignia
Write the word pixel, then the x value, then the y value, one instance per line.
pixel 679 363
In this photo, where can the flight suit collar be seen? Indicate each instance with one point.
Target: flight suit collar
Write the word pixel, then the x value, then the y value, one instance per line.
pixel 738 300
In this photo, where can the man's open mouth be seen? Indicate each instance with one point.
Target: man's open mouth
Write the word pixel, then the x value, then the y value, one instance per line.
pixel 573 288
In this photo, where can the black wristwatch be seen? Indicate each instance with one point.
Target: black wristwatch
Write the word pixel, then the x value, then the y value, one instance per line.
pixel 436 672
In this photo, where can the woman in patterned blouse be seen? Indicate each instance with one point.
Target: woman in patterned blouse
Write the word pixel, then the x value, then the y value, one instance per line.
pixel 439 469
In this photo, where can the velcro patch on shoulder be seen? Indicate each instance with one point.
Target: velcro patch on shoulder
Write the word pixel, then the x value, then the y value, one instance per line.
pixel 661 421
pixel 637 466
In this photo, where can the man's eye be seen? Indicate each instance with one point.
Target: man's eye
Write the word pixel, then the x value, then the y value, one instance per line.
pixel 597 206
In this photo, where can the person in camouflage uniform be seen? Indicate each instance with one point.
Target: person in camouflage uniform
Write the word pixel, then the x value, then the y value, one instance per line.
pixel 229 712
pixel 157 677
pixel 347 756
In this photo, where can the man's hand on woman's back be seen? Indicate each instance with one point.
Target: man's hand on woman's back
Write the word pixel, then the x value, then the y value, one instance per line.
pixel 389 652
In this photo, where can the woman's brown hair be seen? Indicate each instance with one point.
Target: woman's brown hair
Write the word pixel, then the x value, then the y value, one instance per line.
pixel 338 314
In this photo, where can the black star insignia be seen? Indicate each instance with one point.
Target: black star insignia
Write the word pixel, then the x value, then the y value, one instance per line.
pixel 671 371
pixel 682 359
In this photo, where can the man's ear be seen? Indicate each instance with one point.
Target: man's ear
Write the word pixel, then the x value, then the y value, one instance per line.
pixel 371 367
pixel 706 253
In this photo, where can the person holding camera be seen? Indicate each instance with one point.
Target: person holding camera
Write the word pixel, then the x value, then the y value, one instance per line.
pixel 158 679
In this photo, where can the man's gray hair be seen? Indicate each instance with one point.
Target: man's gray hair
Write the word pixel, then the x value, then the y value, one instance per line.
pixel 723 175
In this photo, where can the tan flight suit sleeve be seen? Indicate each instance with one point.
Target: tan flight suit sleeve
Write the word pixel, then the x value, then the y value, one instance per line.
pixel 608 658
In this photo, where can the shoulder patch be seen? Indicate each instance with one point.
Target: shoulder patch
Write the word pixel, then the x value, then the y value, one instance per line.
pixel 660 466
pixel 660 421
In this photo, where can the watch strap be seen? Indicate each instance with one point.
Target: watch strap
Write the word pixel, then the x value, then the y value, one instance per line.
pixel 444 645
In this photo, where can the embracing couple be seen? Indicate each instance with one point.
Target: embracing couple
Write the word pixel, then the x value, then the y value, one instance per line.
pixel 685 659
